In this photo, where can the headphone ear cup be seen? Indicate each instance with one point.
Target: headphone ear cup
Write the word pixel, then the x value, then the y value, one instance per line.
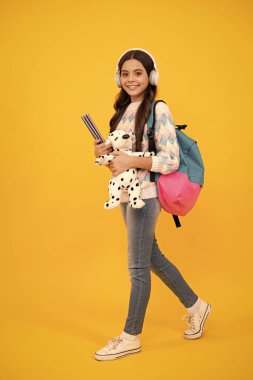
pixel 154 77
pixel 117 79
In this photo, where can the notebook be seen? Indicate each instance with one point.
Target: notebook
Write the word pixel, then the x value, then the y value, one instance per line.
pixel 92 127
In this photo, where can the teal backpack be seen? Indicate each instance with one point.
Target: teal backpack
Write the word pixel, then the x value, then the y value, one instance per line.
pixel 178 191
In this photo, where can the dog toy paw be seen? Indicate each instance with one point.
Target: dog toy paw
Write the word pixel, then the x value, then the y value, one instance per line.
pixel 138 203
pixel 111 204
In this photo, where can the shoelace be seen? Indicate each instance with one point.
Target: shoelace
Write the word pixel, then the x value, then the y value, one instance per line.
pixel 192 320
pixel 113 343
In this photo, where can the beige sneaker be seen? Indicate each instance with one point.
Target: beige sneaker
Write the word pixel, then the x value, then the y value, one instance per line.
pixel 196 321
pixel 117 348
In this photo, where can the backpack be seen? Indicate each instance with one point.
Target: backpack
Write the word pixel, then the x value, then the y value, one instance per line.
pixel 178 191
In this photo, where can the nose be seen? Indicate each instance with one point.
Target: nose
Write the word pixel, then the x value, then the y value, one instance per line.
pixel 126 136
pixel 131 77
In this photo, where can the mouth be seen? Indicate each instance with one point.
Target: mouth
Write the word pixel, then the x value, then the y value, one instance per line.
pixel 133 87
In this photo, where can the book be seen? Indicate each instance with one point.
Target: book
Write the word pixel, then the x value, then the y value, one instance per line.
pixel 92 127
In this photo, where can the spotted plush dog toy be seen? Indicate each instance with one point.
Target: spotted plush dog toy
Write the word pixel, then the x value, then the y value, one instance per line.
pixel 126 181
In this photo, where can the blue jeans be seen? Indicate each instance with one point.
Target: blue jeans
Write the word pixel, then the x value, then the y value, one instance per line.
pixel 144 256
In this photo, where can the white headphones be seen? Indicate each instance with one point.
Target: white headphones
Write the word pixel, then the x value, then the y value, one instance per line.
pixel 153 76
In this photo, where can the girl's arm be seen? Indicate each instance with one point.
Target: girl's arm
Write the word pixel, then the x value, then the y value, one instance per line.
pixel 140 162
pixel 167 159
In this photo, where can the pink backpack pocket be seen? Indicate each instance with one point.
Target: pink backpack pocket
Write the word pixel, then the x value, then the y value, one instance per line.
pixel 176 193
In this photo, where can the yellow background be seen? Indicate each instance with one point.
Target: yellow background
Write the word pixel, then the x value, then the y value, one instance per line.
pixel 64 278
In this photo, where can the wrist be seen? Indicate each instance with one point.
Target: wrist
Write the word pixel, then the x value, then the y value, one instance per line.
pixel 141 162
pixel 130 162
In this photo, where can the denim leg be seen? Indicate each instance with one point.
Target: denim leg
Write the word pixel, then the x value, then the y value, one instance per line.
pixel 140 224
pixel 171 276
pixel 123 207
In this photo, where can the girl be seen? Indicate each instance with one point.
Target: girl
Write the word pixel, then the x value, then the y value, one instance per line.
pixel 137 76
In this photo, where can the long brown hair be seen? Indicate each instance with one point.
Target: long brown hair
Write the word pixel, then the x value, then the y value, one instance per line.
pixel 123 99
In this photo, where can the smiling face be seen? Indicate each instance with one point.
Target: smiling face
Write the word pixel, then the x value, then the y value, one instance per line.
pixel 134 79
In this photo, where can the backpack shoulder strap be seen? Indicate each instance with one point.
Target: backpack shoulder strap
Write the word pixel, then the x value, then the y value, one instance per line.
pixel 151 119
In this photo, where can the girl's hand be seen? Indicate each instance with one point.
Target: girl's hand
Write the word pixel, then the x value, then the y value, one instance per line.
pixel 101 149
pixel 120 163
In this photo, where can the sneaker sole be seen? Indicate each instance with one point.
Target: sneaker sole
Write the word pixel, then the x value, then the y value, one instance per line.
pixel 199 333
pixel 117 356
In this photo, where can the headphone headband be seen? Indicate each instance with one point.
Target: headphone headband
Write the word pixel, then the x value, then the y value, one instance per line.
pixel 145 51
